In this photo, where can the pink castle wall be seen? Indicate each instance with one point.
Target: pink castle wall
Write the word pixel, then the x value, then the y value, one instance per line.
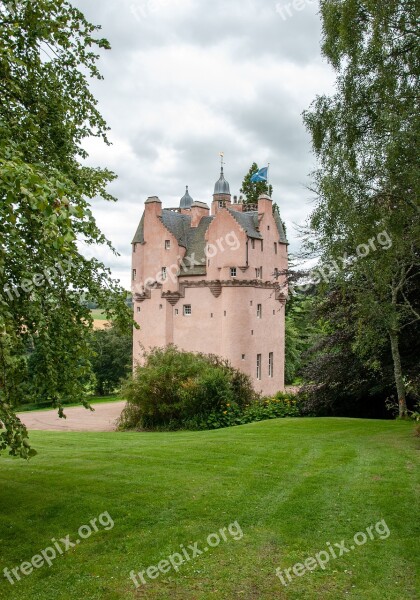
pixel 226 325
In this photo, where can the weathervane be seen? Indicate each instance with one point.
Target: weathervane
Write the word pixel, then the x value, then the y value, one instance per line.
pixel 222 162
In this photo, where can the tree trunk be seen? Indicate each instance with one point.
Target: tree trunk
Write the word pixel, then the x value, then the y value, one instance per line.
pixel 399 380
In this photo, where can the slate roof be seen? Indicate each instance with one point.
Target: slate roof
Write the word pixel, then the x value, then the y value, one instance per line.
pixel 178 224
pixel 195 257
pixel 280 227
pixel 248 221
pixel 192 238
pixel 139 235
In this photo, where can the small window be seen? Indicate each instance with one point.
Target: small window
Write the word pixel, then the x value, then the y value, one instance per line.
pixel 270 364
pixel 252 332
pixel 167 244
pixel 258 273
pixel 138 309
pixel 259 311
pixel 221 203
pixel 253 244
pixel 176 311
pixel 250 303
pixel 262 245
pixel 163 273
pixel 134 274
pixel 211 315
pixel 160 306
pixel 258 366
pixel 187 310
pixel 274 312
pixel 225 313
pixel 268 227
pixel 134 247
pixel 243 356
pixel 233 271
pixel 275 247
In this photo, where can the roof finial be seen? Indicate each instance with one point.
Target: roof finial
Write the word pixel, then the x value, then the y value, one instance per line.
pixel 222 162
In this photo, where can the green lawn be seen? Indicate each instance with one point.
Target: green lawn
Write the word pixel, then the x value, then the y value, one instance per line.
pixel 98 314
pixel 292 485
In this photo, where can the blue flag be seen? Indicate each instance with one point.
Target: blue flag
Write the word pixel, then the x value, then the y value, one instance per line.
pixel 261 175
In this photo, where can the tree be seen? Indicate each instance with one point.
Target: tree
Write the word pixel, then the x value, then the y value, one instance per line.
pixel 252 190
pixel 366 140
pixel 112 358
pixel 46 112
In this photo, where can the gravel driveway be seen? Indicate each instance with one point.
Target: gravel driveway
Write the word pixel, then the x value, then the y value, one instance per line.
pixel 78 418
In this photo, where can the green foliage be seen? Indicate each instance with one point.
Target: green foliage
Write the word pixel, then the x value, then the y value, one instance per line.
pixel 174 387
pixel 302 329
pixel 47 55
pixel 181 390
pixel 252 190
pixel 365 137
pixel 112 357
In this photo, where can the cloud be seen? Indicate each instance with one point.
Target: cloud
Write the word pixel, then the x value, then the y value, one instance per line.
pixel 186 79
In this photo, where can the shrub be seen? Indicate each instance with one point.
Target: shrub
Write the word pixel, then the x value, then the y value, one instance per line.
pixel 176 389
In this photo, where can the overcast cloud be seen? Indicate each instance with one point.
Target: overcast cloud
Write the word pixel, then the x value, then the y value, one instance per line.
pixel 186 79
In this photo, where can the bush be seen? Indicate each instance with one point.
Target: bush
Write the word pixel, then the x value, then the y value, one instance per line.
pixel 176 390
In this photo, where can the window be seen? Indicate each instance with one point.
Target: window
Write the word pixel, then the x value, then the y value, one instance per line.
pixel 211 315
pixel 274 312
pixel 167 244
pixel 258 366
pixel 252 332
pixel 138 309
pixel 134 247
pixel 243 356
pixel 268 227
pixel 262 245
pixel 270 364
pixel 275 247
pixel 276 273
pixel 163 273
pixel 176 311
pixel 160 306
pixel 250 303
pixel 187 310
pixel 221 203
pixel 134 274
pixel 259 311
pixel 258 273
pixel 233 271
pixel 253 244
pixel 225 313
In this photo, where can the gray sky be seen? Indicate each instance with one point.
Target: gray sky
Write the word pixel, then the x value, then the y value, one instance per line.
pixel 186 79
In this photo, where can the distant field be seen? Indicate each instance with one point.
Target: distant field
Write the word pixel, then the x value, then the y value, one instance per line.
pixel 98 314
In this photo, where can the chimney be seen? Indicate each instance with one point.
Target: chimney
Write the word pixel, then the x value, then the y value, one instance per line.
pixel 153 206
pixel 265 204
pixel 198 211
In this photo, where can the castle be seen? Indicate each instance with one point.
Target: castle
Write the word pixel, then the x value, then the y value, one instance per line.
pixel 213 283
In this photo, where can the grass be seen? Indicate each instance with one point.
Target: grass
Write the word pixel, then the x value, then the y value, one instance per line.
pixel 98 314
pixel 292 485
pixel 92 400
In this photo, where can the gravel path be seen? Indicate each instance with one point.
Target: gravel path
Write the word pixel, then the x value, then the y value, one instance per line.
pixel 78 418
